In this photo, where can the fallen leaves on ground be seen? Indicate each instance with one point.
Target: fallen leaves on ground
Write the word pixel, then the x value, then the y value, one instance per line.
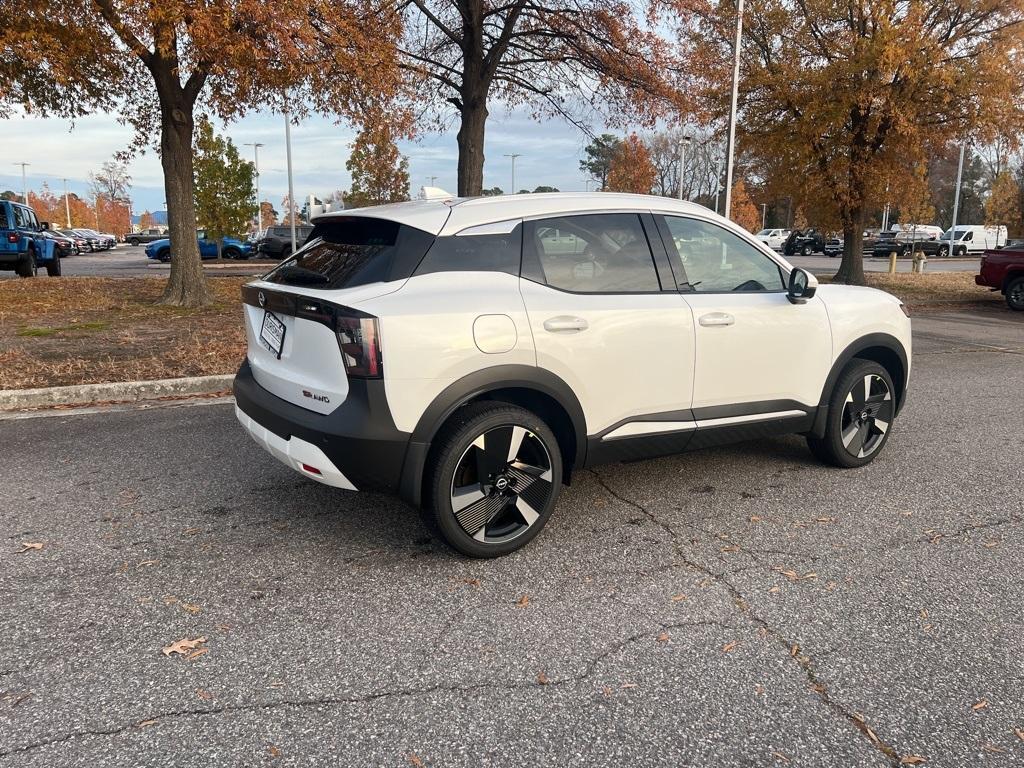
pixel 415 760
pixel 147 723
pixel 184 646
pixel 730 646
pixel 663 637
pixel 523 601
pixel 197 654
pixel 780 757
pixel 543 679
pixel 274 751
pixel 30 546
pixel 678 597
pixel 980 704
pixel 204 695
pixel 993 749
pixel 912 760
pixel 1019 733
pixel 472 582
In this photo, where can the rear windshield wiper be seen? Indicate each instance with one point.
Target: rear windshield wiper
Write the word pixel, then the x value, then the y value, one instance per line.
pixel 301 275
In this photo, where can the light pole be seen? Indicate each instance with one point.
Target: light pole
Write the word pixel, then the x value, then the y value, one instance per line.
pixel 67 205
pixel 256 166
pixel 956 198
pixel 432 179
pixel 24 183
pixel 718 181
pixel 513 156
pixel 732 108
pixel 291 189
pixel 683 144
pixel 588 182
pixel 764 213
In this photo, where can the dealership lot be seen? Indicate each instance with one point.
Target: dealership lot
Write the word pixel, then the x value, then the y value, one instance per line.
pixel 739 606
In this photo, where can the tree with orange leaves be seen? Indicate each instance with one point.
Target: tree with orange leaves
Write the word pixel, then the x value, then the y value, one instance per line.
pixel 841 101
pixel 573 59
pixel 155 61
pixel 631 169
pixel 744 212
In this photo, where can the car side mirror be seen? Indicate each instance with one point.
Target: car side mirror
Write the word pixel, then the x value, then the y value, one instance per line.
pixel 44 225
pixel 802 286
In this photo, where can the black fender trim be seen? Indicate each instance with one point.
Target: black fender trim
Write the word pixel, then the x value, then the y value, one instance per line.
pixel 474 385
pixel 883 340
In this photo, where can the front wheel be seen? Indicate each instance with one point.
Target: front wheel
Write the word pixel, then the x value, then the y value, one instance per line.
pixel 134 242
pixel 860 414
pixel 1015 294
pixel 232 253
pixel 805 251
pixel 164 255
pixel 495 477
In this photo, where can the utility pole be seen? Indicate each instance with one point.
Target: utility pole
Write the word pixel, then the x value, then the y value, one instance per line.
pixel 432 179
pixel 732 109
pixel 291 188
pixel 683 144
pixel 718 181
pixel 956 198
pixel 513 156
pixel 764 213
pixel 24 183
pixel 256 165
pixel 67 205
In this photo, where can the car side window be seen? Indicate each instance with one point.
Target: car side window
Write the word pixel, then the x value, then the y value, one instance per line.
pixel 592 253
pixel 471 252
pixel 21 218
pixel 3 217
pixel 708 258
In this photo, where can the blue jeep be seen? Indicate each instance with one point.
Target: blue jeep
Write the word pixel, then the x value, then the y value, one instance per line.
pixel 231 248
pixel 23 247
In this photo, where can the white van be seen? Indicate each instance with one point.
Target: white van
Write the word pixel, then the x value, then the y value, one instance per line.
pixel 975 238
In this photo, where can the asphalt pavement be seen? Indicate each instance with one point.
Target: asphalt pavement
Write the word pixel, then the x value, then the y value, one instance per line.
pixel 742 606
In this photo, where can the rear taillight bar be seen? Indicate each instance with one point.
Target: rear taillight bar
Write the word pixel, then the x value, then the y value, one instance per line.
pixel 359 339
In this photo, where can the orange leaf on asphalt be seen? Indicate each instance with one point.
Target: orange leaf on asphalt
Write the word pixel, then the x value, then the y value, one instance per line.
pixel 780 757
pixel 731 548
pixel 472 582
pixel 197 654
pixel 543 679
pixel 274 751
pixel 794 650
pixel 523 601
pixel 1019 732
pixel 191 608
pixel 993 749
pixel 729 646
pixel 756 518
pixel 30 546
pixel 147 723
pixel 415 760
pixel 663 637
pixel 676 598
pixel 183 646
pixel 204 695
pixel 980 704
pixel 912 760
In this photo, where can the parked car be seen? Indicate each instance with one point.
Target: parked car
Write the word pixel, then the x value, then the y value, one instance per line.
pixel 973 239
pixel 145 236
pixel 903 242
pixel 773 238
pixel 1002 269
pixel 97 242
pixel 92 241
pixel 24 246
pixel 804 243
pixel 469 354
pixel 276 242
pixel 833 246
pixel 81 244
pixel 64 246
pixel 232 248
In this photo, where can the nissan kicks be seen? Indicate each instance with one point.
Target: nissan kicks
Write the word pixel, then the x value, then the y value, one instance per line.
pixel 469 354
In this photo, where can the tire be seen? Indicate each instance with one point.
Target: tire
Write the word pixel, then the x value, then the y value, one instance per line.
pixel 27 267
pixel 961 251
pixel 857 427
pixel 1015 294
pixel 134 242
pixel 472 498
pixel 943 252
pixel 232 253
pixel 164 255
pixel 806 250
pixel 53 267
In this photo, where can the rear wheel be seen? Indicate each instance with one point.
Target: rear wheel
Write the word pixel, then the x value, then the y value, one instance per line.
pixel 943 251
pixel 496 475
pixel 232 253
pixel 805 251
pixel 53 267
pixel 860 414
pixel 1015 294
pixel 134 241
pixel 27 266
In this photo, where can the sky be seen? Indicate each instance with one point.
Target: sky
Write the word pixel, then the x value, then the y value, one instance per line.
pixel 57 149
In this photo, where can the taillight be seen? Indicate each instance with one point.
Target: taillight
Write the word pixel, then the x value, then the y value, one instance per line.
pixel 12 237
pixel 359 338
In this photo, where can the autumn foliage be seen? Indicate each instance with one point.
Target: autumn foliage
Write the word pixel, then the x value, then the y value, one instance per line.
pixel 631 169
pixel 744 212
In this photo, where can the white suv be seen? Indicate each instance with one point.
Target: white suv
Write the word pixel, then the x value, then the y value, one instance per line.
pixel 468 354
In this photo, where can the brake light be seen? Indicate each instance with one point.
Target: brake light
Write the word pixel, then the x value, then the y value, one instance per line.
pixel 12 237
pixel 359 339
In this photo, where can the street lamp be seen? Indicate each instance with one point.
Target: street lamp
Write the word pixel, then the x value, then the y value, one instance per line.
pixel 432 179
pixel 291 188
pixel 956 198
pixel 683 144
pixel 256 165
pixel 24 183
pixel 67 205
pixel 732 108
pixel 513 156
pixel 764 213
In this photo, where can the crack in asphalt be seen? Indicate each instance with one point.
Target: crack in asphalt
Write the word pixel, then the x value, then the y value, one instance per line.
pixel 327 701
pixel 792 649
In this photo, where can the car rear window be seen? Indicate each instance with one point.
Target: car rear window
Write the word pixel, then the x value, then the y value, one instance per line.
pixel 351 251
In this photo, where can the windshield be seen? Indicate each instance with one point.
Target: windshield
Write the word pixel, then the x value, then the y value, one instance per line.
pixel 959 234
pixel 344 253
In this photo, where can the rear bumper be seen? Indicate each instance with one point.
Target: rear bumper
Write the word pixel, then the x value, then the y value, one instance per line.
pixel 11 258
pixel 358 440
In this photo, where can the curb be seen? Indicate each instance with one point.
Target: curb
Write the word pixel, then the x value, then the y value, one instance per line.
pixel 118 391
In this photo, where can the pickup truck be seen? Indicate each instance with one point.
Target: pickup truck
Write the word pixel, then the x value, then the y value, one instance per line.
pixel 904 245
pixel 1002 269
pixel 145 236
pixel 23 246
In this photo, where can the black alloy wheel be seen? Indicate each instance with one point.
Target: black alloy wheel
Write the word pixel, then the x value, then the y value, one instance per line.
pixel 1015 294
pixel 496 479
pixel 861 410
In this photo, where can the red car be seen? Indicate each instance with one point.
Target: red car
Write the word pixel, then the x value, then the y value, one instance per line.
pixel 1003 270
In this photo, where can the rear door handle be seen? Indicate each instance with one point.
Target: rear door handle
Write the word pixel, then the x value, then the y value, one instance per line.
pixel 716 318
pixel 565 324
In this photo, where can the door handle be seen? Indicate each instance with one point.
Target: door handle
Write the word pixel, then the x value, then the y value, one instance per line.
pixel 565 324
pixel 716 318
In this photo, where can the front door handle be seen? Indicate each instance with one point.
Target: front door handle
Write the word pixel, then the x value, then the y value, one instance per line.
pixel 716 318
pixel 565 324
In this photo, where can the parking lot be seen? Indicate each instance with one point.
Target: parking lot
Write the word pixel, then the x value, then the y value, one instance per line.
pixel 741 606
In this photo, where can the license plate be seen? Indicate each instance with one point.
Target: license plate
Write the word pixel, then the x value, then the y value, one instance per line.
pixel 272 333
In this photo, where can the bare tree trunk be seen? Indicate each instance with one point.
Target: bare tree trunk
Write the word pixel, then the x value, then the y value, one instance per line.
pixel 187 285
pixel 851 271
pixel 471 146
